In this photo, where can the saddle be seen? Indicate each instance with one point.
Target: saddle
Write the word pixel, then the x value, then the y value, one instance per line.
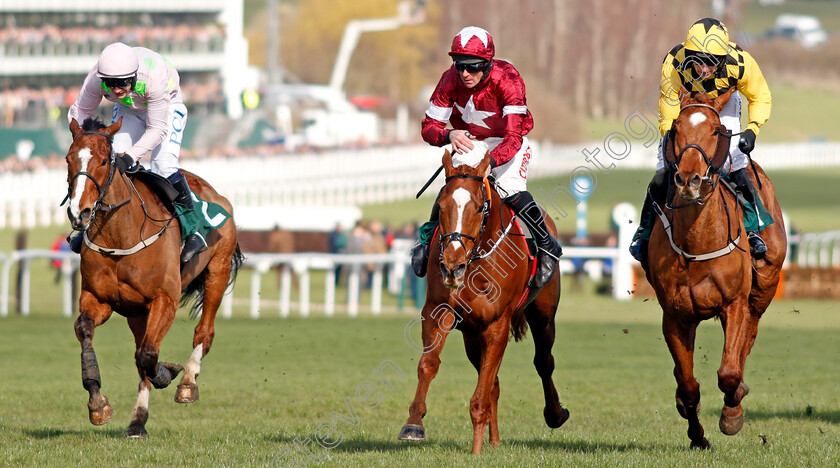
pixel 158 184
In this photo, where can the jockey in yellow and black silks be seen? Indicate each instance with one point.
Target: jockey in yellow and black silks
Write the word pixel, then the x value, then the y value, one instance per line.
pixel 708 62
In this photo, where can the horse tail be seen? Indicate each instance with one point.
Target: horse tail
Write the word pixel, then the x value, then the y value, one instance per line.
pixel 518 324
pixel 195 290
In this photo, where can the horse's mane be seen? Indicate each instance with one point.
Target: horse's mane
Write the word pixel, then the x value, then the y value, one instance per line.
pixel 93 124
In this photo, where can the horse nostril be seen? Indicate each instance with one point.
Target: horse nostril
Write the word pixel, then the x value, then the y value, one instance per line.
pixel 679 179
pixel 695 181
pixel 85 214
pixel 443 270
pixel 459 271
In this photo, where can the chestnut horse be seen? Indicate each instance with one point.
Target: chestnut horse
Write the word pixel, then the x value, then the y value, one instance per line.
pixel 143 284
pixel 700 264
pixel 480 288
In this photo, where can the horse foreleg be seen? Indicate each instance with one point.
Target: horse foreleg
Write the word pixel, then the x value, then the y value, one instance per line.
pixel 493 343
pixel 427 368
pixel 542 329
pixel 680 339
pixel 739 328
pixel 472 344
pixel 92 314
pixel 214 289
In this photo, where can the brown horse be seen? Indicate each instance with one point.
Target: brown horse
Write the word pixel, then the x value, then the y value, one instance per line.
pixel 700 266
pixel 480 289
pixel 143 284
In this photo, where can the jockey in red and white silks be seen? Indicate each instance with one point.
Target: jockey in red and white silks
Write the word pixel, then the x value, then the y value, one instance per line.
pixel 484 99
pixel 494 111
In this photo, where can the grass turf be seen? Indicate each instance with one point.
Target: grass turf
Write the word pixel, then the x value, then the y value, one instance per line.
pixel 269 382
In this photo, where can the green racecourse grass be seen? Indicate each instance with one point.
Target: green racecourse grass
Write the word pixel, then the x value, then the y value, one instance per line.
pixel 267 382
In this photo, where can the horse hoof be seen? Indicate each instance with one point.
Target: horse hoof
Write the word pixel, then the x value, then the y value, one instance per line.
pixel 731 420
pixel 701 445
pixel 136 431
pixel 412 432
pixel 553 420
pixel 186 393
pixel 99 411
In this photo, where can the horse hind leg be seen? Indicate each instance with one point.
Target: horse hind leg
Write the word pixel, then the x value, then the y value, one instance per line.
pixel 542 329
pixel 215 284
pixel 93 313
pixel 140 413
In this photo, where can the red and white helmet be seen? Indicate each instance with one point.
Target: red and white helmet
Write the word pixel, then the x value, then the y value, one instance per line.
pixel 473 41
pixel 117 61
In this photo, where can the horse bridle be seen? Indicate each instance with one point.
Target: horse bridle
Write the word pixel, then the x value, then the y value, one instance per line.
pixel 711 168
pixel 446 239
pixel 103 189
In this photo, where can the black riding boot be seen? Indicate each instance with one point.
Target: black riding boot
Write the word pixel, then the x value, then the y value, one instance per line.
pixel 743 184
pixel 549 250
pixel 194 243
pixel 76 242
pixel 657 191
pixel 420 252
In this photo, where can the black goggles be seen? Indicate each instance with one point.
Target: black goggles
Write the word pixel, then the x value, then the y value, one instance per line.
pixel 705 59
pixel 118 82
pixel 471 67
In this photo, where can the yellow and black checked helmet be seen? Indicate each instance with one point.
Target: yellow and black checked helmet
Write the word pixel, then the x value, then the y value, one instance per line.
pixel 708 36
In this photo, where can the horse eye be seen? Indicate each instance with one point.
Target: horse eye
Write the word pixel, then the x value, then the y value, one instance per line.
pixel 104 161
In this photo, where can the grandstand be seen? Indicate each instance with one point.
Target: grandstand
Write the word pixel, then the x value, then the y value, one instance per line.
pixel 47 47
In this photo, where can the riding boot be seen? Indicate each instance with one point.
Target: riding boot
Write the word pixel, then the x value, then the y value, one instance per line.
pixel 657 191
pixel 194 243
pixel 420 252
pixel 76 242
pixel 549 250
pixel 744 186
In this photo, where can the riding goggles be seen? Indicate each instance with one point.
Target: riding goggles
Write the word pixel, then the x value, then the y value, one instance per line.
pixel 112 83
pixel 471 67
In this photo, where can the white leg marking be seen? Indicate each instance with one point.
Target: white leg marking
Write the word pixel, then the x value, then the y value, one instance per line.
pixel 193 365
pixel 696 118
pixel 142 397
pixel 84 157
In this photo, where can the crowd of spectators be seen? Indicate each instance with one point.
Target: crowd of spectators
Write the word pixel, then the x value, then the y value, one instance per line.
pixel 25 106
pixel 50 39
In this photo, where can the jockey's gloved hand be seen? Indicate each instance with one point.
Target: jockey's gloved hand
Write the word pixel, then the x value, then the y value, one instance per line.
pixel 747 142
pixel 124 162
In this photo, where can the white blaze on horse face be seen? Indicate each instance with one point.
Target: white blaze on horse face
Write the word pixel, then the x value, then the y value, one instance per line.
pixel 462 197
pixel 84 158
pixel 696 118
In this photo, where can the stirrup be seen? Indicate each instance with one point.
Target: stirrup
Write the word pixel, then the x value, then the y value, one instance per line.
pixel 419 259
pixel 194 245
pixel 758 248
pixel 638 249
pixel 76 243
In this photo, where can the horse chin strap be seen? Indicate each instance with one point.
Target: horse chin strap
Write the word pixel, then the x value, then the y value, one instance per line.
pixel 459 236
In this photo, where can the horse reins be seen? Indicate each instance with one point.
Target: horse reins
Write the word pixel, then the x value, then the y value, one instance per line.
pixel 450 237
pixel 102 190
pixel 99 205
pixel 732 244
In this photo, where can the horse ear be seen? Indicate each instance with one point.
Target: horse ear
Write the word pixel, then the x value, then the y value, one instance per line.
pixel 722 99
pixel 447 162
pixel 114 128
pixel 482 166
pixel 75 129
pixel 685 96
